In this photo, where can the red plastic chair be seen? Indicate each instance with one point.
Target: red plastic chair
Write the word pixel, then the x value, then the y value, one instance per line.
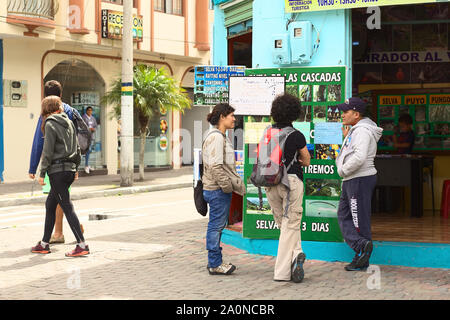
pixel 445 202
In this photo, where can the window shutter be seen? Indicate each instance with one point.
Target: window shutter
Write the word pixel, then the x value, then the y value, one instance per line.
pixel 238 13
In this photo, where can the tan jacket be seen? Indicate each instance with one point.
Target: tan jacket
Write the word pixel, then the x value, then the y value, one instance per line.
pixel 219 167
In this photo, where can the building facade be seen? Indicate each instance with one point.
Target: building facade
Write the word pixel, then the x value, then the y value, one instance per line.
pixel 78 43
pixel 403 46
pixel 395 56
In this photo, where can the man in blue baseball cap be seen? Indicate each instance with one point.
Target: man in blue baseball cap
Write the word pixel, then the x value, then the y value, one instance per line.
pixel 355 164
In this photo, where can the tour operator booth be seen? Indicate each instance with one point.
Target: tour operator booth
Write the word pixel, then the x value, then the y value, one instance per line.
pixel 320 89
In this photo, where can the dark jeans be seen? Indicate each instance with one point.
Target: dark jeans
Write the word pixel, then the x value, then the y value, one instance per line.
pixel 59 194
pixel 355 212
pixel 219 208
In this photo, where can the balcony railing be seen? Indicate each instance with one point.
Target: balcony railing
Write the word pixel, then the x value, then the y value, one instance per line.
pixel 40 9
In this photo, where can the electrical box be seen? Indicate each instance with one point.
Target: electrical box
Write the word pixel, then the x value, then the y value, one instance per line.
pixel 15 93
pixel 280 49
pixel 300 36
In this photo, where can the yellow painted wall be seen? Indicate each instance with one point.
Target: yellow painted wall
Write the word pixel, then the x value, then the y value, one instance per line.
pixel 169 33
pixel 441 173
pixel 22 61
pixel 20 123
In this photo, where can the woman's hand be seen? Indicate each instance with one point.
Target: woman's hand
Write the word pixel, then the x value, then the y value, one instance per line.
pixel 41 181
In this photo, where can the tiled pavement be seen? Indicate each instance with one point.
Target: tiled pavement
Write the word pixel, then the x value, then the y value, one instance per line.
pixel 169 263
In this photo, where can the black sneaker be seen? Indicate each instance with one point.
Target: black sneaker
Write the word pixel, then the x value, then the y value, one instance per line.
pixel 298 273
pixel 355 266
pixel 365 254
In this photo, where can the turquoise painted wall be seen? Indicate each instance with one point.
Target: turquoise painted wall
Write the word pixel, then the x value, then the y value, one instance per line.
pixel 220 42
pixel 2 158
pixel 408 254
pixel 269 18
pixel 334 27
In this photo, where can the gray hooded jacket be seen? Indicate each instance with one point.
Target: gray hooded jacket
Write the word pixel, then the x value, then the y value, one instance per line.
pixel 358 151
pixel 60 144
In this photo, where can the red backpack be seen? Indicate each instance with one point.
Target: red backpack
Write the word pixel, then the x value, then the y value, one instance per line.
pixel 270 168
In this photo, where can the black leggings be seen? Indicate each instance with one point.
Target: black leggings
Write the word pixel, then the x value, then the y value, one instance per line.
pixel 59 194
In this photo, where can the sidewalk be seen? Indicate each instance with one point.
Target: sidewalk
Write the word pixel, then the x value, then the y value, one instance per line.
pixel 29 192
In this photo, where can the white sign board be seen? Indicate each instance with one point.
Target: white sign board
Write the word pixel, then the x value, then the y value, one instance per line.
pixel 254 95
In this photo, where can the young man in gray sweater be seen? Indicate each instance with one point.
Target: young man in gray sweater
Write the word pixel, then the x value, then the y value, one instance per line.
pixel 355 164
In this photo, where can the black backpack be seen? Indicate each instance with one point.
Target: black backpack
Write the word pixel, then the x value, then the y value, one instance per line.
pixel 83 133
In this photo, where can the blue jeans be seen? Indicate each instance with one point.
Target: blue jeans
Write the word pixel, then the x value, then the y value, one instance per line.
pixel 86 156
pixel 86 162
pixel 219 208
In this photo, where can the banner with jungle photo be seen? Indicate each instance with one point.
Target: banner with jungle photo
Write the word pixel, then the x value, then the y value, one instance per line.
pixel 320 89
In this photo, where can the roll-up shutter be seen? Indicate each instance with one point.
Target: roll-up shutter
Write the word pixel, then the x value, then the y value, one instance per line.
pixel 240 12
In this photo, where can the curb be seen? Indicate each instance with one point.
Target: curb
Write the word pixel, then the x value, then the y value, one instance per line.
pixel 98 194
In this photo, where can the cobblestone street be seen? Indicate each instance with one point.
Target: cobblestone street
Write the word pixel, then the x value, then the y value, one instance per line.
pixel 130 260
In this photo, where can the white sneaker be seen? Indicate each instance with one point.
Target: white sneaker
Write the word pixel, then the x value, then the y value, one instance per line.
pixel 91 169
pixel 86 169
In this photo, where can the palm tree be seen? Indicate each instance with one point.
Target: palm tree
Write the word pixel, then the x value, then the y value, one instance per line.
pixel 152 89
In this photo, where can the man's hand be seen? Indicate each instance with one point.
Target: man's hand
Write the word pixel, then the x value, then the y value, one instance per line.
pixel 76 175
pixel 345 130
pixel 32 176
pixel 92 129
pixel 41 181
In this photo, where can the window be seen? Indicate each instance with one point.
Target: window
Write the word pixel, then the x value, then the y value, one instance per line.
pixel 135 2
pixel 169 6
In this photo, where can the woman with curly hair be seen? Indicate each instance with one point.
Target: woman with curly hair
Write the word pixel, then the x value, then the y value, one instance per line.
pixel 286 203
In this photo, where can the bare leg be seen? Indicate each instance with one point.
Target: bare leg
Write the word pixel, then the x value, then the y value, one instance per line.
pixel 59 222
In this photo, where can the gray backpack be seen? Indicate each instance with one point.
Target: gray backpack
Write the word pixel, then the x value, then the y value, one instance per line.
pixel 84 135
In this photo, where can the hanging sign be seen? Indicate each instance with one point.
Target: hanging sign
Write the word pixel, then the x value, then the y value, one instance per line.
pixel 112 25
pixel 406 57
pixel 319 5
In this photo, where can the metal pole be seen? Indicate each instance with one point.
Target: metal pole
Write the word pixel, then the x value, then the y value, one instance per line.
pixel 126 133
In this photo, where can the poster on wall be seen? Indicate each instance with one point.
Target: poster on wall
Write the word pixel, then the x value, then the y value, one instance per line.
pixel 163 125
pixel 254 95
pixel 211 83
pixel 239 158
pixel 320 90
pixel 163 143
pixel 430 115
pixel 293 6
